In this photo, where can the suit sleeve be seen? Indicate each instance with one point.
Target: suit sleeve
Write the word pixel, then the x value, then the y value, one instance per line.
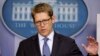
pixel 75 50
pixel 20 51
pixel 92 55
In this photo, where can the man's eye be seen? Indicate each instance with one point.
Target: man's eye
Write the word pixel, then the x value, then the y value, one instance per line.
pixel 45 20
pixel 38 21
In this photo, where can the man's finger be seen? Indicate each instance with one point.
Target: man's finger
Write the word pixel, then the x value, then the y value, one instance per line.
pixel 91 39
pixel 84 46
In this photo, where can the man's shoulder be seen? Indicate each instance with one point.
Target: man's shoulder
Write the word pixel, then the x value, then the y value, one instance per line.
pixel 64 38
pixel 65 41
pixel 30 39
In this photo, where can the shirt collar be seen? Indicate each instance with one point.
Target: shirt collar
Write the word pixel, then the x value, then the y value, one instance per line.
pixel 50 36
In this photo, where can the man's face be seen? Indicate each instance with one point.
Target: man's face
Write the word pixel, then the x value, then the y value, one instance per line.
pixel 44 23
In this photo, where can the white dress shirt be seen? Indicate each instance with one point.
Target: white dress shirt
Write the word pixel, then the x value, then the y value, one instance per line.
pixel 49 42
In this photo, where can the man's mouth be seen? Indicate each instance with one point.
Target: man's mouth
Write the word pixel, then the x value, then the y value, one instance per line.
pixel 43 30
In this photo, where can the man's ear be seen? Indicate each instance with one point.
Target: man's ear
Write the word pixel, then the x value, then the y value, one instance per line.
pixel 53 19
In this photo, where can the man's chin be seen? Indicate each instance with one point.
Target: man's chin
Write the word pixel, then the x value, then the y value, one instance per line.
pixel 44 34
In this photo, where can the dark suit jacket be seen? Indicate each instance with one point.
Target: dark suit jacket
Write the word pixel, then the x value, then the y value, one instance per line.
pixel 62 46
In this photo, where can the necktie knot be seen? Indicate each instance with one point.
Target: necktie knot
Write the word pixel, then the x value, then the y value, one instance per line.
pixel 45 39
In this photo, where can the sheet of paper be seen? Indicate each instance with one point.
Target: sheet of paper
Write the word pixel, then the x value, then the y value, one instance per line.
pixel 98 30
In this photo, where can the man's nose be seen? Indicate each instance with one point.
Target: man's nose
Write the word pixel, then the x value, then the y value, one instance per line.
pixel 42 24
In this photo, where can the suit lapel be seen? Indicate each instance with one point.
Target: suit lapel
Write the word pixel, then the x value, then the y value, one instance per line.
pixel 56 45
pixel 36 46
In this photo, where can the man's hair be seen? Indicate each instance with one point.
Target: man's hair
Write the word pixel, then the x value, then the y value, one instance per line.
pixel 42 7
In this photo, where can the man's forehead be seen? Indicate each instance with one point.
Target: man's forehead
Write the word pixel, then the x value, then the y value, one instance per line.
pixel 40 16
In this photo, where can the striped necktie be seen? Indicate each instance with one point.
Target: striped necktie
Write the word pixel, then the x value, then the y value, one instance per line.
pixel 46 50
